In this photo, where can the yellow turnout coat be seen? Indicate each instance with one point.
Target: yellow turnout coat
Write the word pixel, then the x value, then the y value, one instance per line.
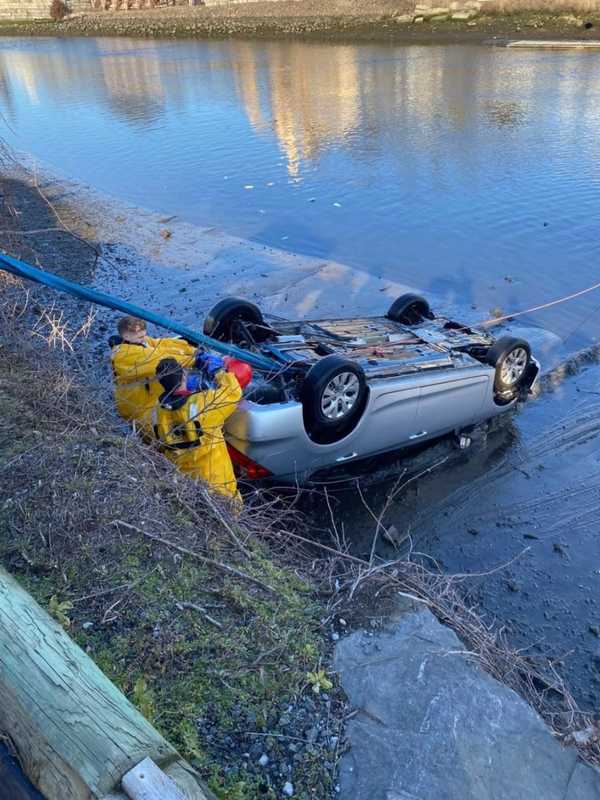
pixel 134 368
pixel 189 429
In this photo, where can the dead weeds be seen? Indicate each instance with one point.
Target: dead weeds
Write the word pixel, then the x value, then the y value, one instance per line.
pixel 174 594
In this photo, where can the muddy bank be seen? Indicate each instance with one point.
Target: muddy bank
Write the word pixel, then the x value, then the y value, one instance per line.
pixel 378 20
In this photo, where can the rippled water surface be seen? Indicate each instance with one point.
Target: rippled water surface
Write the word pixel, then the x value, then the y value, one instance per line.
pixel 469 171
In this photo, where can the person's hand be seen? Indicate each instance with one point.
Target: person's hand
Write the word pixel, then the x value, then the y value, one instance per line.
pixel 195 382
pixel 209 363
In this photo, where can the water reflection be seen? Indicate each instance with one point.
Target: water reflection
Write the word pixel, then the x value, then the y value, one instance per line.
pixel 309 96
pixel 430 165
pixel 312 100
pixel 134 86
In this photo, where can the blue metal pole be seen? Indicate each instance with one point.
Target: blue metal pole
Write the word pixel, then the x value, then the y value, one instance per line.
pixel 23 270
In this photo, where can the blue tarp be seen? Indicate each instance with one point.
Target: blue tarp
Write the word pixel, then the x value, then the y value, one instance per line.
pixel 24 270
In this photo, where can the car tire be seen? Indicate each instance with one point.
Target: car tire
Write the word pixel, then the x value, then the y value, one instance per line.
pixel 409 309
pixel 510 357
pixel 220 322
pixel 334 395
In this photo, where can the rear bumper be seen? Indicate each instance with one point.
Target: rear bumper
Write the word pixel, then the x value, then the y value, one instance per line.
pixel 273 437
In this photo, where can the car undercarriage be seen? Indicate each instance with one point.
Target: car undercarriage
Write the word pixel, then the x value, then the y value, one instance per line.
pixel 378 384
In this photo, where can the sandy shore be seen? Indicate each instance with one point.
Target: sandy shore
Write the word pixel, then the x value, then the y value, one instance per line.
pixel 339 19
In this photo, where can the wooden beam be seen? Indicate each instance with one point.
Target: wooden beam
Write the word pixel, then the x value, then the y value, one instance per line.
pixel 148 782
pixel 76 734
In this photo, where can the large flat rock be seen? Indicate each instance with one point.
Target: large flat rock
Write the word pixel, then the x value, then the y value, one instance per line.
pixel 431 725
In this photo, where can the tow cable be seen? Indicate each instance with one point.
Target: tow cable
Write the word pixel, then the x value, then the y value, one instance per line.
pixel 488 323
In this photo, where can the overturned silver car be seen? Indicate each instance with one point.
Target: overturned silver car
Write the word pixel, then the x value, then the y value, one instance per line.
pixel 349 389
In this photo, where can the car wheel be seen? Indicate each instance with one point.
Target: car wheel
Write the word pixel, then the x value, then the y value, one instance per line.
pixel 409 309
pixel 223 321
pixel 511 358
pixel 334 395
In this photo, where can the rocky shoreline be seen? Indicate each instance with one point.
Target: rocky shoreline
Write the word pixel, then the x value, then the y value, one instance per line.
pixel 377 20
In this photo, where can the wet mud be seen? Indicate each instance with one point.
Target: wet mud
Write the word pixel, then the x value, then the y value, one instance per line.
pixel 516 515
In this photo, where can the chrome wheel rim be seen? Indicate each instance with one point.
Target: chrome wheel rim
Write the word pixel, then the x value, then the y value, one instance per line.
pixel 514 366
pixel 340 396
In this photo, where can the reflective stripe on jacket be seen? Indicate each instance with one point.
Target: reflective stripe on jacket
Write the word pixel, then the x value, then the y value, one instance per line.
pixel 190 432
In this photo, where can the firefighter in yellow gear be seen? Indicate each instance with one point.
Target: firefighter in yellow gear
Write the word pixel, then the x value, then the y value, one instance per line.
pixel 188 421
pixel 134 358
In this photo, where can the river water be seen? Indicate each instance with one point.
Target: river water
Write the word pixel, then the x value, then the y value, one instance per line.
pixel 470 172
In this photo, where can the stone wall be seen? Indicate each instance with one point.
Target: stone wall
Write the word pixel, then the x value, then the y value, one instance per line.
pixel 40 9
pixel 36 9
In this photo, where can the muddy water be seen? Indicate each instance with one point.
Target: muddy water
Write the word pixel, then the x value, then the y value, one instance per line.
pixel 468 172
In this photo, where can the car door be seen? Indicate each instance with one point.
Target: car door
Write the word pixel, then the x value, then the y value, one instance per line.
pixel 450 400
pixel 391 415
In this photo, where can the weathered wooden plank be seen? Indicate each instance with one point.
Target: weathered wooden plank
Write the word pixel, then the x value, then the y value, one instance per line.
pixel 147 782
pixel 76 734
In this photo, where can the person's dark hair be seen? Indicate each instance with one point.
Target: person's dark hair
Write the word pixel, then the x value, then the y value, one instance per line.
pixel 169 373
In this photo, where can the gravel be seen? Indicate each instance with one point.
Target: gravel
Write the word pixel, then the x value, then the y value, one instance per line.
pixel 278 753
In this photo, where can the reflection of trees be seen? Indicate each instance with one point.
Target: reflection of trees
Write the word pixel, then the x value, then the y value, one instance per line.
pixel 318 95
pixel 134 88
pixel 246 70
pixel 6 98
pixel 310 93
pixel 127 77
pixel 57 72
pixel 314 99
pixel 382 99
